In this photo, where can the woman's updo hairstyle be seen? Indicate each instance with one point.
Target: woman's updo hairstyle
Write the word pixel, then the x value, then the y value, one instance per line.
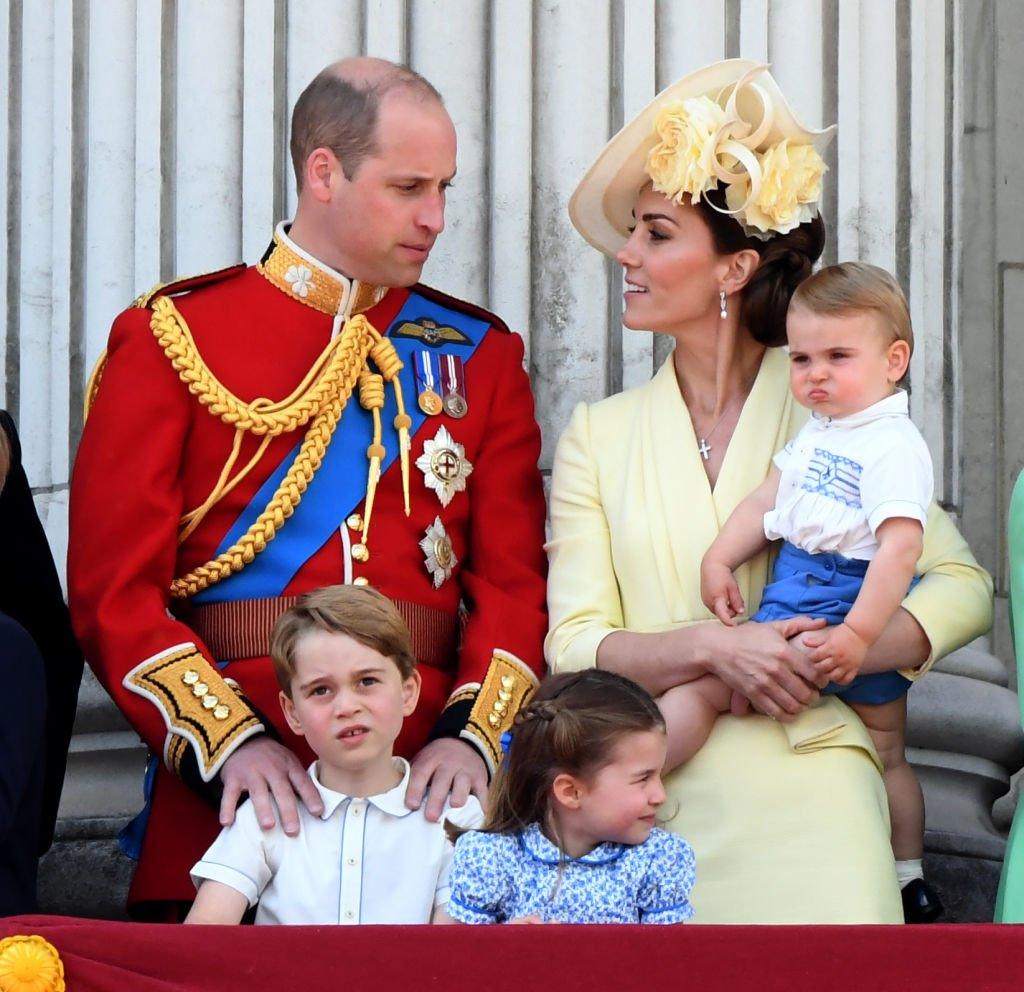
pixel 786 261
pixel 570 725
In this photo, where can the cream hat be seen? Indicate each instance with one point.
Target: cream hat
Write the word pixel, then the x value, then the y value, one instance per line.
pixel 727 122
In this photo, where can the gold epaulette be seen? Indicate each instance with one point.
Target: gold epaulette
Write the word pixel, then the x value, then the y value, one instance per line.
pixel 186 284
pixel 142 302
pixel 93 385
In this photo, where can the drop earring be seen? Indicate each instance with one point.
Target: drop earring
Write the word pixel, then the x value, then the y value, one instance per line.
pixel 723 302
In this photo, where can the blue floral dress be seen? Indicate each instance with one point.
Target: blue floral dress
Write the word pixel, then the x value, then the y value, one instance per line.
pixel 500 877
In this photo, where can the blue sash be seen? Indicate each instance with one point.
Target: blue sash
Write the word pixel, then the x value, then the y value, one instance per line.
pixel 339 485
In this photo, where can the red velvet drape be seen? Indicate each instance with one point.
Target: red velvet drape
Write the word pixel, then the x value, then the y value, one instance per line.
pixel 135 957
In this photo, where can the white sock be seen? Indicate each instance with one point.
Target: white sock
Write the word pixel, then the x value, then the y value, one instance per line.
pixel 907 871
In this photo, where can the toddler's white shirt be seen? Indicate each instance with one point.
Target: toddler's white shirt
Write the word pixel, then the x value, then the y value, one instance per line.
pixel 842 477
pixel 367 860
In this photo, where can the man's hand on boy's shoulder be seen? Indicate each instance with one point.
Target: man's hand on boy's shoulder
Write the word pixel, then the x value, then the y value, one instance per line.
pixel 446 770
pixel 273 777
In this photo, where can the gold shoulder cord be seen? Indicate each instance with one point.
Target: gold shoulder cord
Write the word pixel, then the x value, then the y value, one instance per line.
pixel 319 400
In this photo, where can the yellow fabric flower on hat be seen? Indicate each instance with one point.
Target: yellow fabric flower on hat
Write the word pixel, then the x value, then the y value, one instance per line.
pixel 791 177
pixel 30 964
pixel 683 159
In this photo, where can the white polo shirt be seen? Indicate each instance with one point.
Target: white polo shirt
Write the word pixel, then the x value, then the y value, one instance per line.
pixel 843 476
pixel 367 860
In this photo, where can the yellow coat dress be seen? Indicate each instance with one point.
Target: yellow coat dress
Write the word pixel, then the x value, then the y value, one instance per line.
pixel 789 823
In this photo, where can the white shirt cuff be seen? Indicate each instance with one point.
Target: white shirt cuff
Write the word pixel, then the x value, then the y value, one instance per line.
pixel 896 508
pixel 226 876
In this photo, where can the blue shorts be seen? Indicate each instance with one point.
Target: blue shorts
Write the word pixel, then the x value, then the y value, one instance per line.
pixel 826 585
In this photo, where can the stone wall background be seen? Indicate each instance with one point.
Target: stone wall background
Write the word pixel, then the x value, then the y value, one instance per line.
pixel 147 139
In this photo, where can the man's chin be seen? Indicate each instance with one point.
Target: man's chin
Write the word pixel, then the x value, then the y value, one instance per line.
pixel 401 276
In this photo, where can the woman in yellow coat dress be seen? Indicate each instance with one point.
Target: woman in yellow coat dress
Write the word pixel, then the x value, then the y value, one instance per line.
pixel 786 810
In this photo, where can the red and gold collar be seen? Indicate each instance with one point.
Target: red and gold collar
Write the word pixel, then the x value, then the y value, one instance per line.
pixel 298 274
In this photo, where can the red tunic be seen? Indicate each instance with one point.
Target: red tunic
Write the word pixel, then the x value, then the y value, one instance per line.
pixel 151 451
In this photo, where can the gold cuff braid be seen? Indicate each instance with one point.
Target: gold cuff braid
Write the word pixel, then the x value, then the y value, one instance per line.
pixel 506 686
pixel 199 707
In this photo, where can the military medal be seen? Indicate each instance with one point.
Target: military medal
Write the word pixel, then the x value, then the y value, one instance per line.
pixel 444 466
pixel 455 404
pixel 429 400
pixel 438 554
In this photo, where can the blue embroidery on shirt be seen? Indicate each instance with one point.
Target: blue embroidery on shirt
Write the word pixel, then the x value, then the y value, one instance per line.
pixel 834 476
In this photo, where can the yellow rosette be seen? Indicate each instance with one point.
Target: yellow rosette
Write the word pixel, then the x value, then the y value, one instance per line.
pixel 683 161
pixel 790 188
pixel 30 964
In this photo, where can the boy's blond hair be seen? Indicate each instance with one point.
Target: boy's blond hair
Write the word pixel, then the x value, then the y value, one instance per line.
pixel 358 612
pixel 857 287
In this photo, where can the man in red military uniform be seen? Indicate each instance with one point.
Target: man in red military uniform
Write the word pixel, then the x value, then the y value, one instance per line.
pixel 316 418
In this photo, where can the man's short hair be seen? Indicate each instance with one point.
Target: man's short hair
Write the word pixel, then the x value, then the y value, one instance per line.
pixel 359 612
pixel 341 114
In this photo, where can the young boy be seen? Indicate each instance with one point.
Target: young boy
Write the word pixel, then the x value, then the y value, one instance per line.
pixel 343 659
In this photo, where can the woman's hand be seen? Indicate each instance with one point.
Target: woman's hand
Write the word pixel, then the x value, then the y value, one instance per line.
pixel 756 660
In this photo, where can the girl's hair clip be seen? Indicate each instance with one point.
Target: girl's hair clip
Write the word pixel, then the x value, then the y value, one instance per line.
pixel 506 742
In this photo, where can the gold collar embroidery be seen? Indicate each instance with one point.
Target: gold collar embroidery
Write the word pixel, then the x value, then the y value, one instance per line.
pixel 298 274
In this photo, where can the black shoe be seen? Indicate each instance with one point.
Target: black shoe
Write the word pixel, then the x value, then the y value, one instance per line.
pixel 920 902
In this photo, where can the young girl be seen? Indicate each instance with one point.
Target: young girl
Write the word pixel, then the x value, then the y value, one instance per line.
pixel 570 837
pixel 849 496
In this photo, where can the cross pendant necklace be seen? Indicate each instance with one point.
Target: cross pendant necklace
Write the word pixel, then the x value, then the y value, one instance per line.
pixel 703 446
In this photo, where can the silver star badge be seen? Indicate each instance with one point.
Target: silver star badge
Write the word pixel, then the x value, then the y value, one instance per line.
pixel 439 557
pixel 444 466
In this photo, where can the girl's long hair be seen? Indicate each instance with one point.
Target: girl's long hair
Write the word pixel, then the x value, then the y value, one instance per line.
pixel 570 725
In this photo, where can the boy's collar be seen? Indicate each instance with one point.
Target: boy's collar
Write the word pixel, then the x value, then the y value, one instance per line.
pixel 392 801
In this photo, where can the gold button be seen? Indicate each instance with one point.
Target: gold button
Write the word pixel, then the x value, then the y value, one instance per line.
pixel 210 702
pixel 355 522
pixel 191 677
pixel 360 580
pixel 221 712
pixel 360 552
pixel 200 689
pixel 493 719
pixel 507 681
